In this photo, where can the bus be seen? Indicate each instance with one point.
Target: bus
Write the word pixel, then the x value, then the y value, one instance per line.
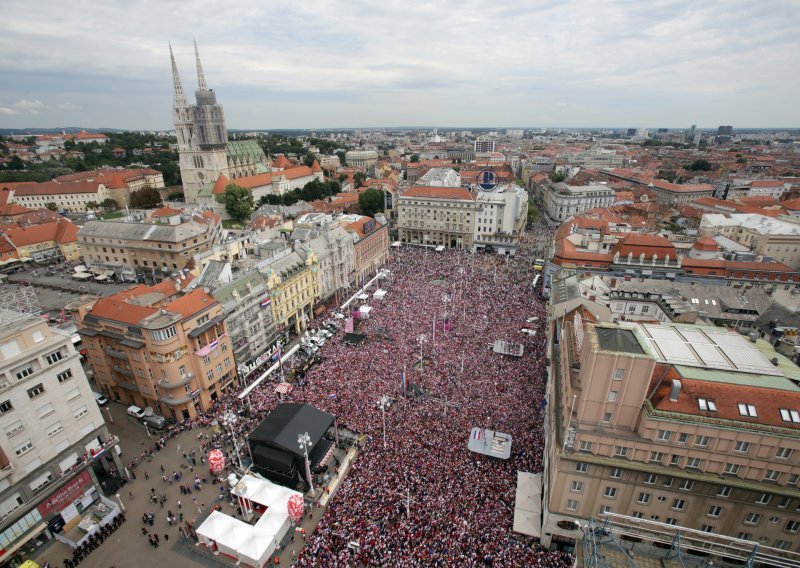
pixel 538 264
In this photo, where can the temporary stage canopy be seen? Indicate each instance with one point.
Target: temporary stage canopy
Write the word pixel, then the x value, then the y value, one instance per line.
pixel 379 294
pixel 251 544
pixel 440 248
pixel 365 310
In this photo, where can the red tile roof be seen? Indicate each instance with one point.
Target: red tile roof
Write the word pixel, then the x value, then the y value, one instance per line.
pixel 61 232
pixel 165 211
pixel 682 188
pixel 358 226
pixel 767 183
pixel 768 402
pixel 644 244
pixel 57 188
pixel 190 304
pixel 706 244
pixel 115 308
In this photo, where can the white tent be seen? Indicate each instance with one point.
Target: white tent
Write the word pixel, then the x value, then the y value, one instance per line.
pixel 528 505
pixel 440 248
pixel 379 294
pixel 251 544
pixel 365 310
pixel 363 296
pixel 396 244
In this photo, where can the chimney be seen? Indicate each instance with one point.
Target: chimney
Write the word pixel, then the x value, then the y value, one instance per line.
pixel 676 390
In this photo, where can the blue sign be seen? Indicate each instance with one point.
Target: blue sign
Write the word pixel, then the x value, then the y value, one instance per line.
pixel 369 226
pixel 487 180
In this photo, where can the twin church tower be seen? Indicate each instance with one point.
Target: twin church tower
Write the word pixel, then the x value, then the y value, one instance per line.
pixel 203 147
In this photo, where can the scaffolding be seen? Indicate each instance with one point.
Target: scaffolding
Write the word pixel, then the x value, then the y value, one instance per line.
pixel 17 306
pixel 629 538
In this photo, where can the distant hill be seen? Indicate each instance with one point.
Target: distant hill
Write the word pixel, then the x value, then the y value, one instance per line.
pixel 57 130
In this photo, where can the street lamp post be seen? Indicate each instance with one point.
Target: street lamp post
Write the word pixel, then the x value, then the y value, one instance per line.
pixel 304 441
pixel 230 420
pixel 385 402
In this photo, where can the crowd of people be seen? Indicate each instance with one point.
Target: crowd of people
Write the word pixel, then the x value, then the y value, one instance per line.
pixel 425 499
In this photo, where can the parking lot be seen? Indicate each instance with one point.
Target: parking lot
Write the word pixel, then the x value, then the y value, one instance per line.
pixel 55 290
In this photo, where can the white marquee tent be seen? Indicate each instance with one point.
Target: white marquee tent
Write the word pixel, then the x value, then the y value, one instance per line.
pixel 528 506
pixel 250 544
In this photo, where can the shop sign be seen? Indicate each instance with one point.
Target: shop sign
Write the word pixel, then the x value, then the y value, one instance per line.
pixel 64 496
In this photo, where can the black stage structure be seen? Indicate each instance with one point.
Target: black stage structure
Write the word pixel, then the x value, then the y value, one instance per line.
pixel 274 448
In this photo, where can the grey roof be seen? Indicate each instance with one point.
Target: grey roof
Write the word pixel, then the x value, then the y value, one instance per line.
pixel 289 264
pixel 778 316
pixel 619 340
pixel 211 273
pixel 301 235
pixel 143 231
pixel 225 294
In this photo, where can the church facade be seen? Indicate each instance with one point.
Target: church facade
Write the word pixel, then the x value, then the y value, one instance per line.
pixel 203 147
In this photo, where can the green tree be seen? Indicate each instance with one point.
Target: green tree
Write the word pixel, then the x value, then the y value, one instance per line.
pixel 342 157
pixel 556 177
pixel 16 163
pixel 532 213
pixel 238 202
pixel 175 196
pixel 700 166
pixel 414 158
pixel 109 204
pixel 92 206
pixel 359 178
pixel 51 206
pixel 668 175
pixel 145 197
pixel 370 201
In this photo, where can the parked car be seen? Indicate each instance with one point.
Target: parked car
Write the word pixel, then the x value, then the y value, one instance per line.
pixel 135 411
pixel 155 421
pixel 100 399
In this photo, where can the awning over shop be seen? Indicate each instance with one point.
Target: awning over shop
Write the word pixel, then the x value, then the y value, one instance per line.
pixel 284 388
pixel 528 505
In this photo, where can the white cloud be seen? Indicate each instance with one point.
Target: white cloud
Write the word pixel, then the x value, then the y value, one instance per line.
pixel 314 63
pixel 68 106
pixel 28 107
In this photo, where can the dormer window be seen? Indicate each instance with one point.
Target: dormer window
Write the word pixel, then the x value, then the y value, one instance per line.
pixel 707 404
pixel 747 410
pixel 789 415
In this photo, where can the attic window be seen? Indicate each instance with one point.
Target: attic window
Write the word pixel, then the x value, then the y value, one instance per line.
pixel 747 410
pixel 707 404
pixel 790 415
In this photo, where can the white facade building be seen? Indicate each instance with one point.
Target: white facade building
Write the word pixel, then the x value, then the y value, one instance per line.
pixel 484 145
pixel 562 201
pixel 50 422
pixel 361 158
pixel 500 219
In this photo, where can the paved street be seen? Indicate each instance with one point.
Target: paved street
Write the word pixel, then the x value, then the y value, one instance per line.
pixel 128 547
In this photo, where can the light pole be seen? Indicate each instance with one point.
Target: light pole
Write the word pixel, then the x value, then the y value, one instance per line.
pixel 421 340
pixel 146 429
pixel 385 402
pixel 304 441
pixel 230 420
pixel 119 500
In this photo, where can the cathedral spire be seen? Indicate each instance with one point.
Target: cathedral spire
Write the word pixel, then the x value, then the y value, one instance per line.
pixel 201 79
pixel 178 97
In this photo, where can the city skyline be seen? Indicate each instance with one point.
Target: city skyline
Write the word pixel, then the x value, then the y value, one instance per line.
pixel 342 65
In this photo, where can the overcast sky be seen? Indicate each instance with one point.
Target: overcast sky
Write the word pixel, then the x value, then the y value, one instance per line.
pixel 362 63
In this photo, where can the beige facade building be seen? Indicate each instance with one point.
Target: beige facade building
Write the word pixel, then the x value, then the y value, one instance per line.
pixel 293 289
pixel 361 158
pixel 52 428
pixel 370 247
pixel 776 238
pixel 74 197
pixel 689 426
pixel 148 252
pixel 436 216
pixel 155 346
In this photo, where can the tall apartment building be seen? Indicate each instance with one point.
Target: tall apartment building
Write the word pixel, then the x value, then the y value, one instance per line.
pixel 690 426
pixel 500 218
pixel 370 247
pixel 443 216
pixel 334 250
pixel 156 346
pixel 248 318
pixel 148 252
pixel 52 435
pixel 483 145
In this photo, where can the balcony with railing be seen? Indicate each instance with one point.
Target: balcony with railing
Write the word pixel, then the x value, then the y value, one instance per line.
pixel 182 381
pixel 122 371
pixel 111 352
